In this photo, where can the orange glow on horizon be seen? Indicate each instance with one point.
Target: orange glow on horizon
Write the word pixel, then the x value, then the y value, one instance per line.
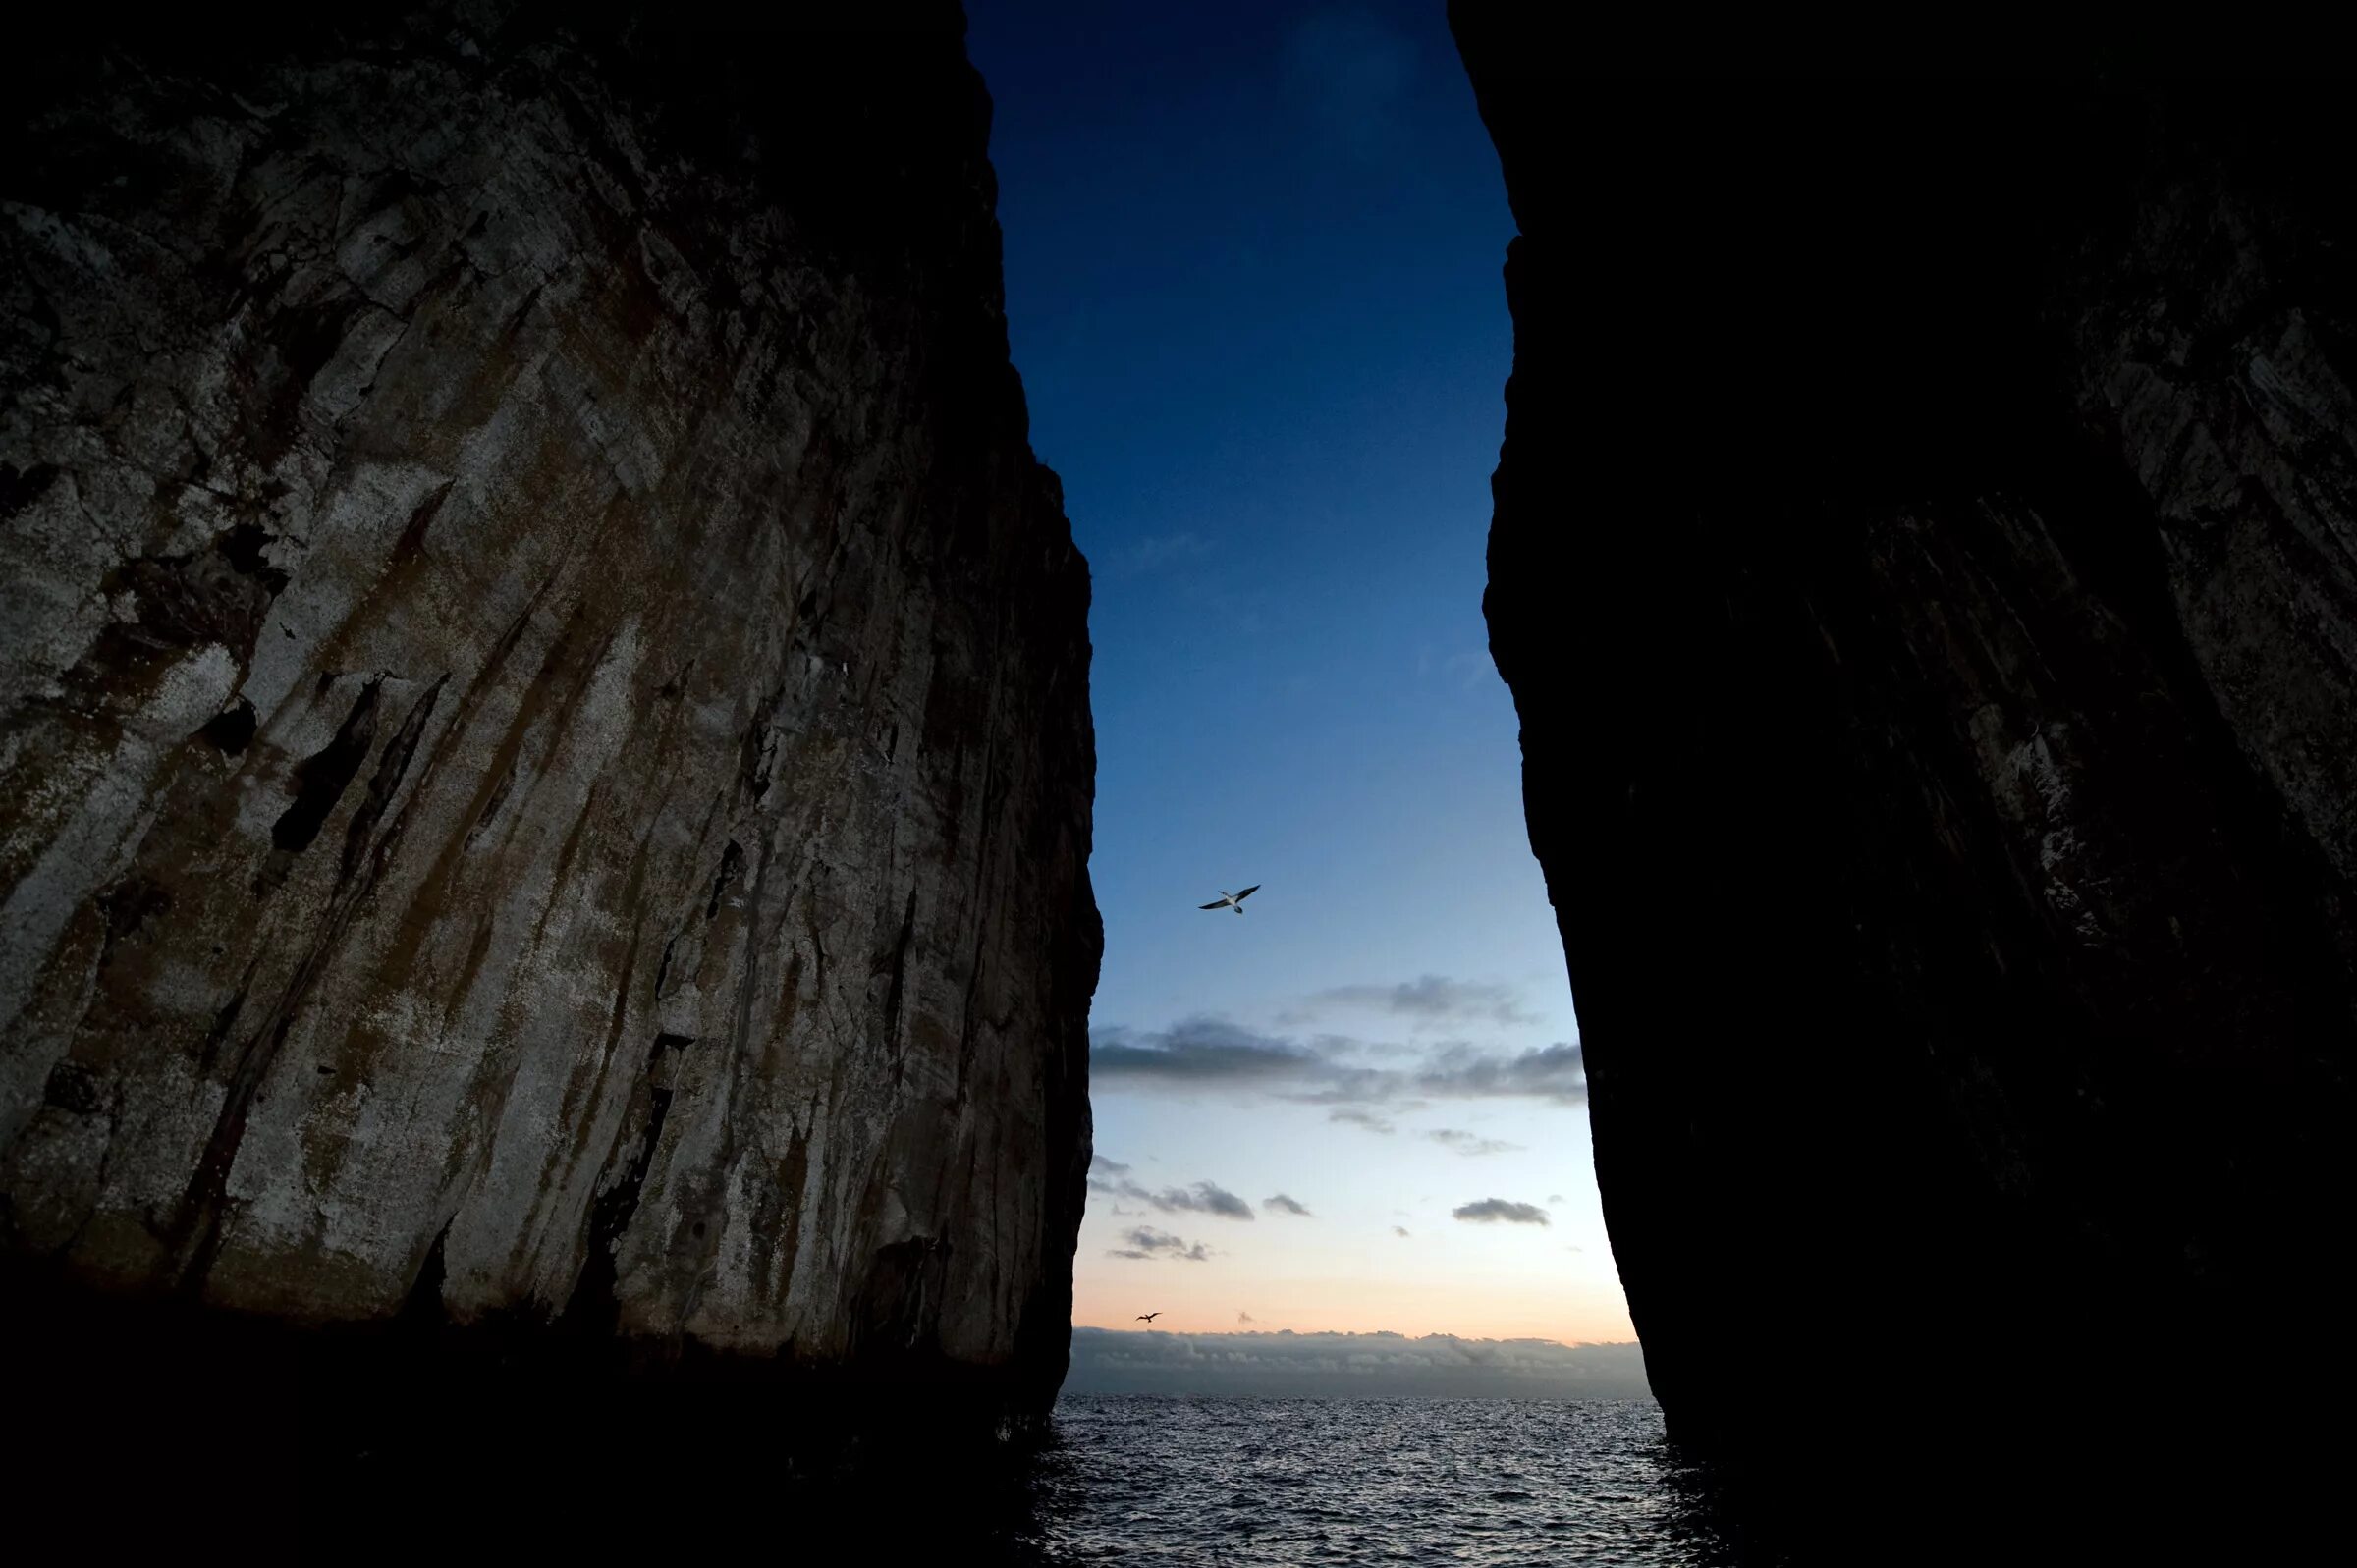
pixel 1413 1308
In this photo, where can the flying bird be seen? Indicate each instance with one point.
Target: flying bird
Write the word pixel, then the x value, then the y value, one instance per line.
pixel 1232 901
pixel 1149 1316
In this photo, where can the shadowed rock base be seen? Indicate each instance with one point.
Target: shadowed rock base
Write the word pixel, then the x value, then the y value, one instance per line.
pixel 416 1440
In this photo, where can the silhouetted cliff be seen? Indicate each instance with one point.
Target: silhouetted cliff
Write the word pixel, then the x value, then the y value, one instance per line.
pixel 545 762
pixel 1925 562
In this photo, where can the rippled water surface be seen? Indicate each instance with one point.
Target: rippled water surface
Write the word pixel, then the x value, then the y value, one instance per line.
pixel 1220 1481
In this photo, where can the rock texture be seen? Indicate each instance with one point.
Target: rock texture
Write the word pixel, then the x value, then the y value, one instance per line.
pixel 1925 562
pixel 544 748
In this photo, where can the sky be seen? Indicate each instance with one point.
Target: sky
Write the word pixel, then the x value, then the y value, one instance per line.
pixel 1253 287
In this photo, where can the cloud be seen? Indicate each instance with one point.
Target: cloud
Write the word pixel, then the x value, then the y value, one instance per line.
pixel 1245 1316
pixel 1211 1055
pixel 1147 1242
pixel 1200 1050
pixel 1357 1118
pixel 1555 1197
pixel 1203 1198
pixel 1285 1206
pixel 1281 1365
pixel 1492 1210
pixel 1472 668
pixel 1206 1198
pixel 1431 1001
pixel 1111 1168
pixel 1400 1231
pixel 1555 1072
pixel 1155 552
pixel 1466 1143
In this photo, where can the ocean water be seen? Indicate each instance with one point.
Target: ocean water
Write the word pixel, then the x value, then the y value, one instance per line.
pixel 1231 1483
pixel 1139 1481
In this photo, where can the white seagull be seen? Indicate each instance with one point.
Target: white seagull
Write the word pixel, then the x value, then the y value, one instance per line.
pixel 1232 901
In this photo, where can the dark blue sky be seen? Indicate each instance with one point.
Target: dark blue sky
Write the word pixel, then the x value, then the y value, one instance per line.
pixel 1253 287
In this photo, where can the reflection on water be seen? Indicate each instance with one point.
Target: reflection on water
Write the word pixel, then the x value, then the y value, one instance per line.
pixel 1234 1482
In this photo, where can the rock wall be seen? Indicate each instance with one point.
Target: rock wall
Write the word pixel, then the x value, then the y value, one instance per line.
pixel 1925 562
pixel 545 762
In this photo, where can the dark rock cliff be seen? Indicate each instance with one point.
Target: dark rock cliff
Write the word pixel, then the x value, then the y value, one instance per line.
pixel 1925 562
pixel 545 763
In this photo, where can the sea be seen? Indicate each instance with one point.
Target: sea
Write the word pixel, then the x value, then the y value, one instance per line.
pixel 1140 1480
pixel 1190 1483
pixel 1222 1483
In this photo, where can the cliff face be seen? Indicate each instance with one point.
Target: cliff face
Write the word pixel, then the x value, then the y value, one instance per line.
pixel 1925 562
pixel 546 764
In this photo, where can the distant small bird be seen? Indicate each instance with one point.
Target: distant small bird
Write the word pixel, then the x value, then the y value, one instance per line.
pixel 1232 901
pixel 1149 1316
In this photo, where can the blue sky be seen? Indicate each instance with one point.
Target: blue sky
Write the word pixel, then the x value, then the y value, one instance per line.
pixel 1253 287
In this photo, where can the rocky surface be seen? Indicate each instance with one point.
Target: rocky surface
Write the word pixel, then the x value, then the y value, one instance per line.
pixel 545 763
pixel 1925 562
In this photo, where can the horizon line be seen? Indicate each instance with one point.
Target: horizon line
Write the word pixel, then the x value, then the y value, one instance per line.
pixel 1362 1334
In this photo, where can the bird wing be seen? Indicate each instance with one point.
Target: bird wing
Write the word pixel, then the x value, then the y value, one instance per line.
pixel 1221 905
pixel 1247 892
